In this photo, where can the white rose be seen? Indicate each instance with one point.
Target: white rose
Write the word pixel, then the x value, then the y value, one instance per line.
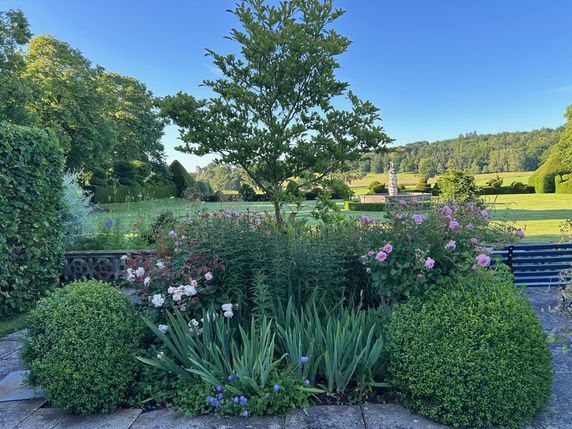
pixel 157 300
pixel 140 271
pixel 226 307
pixel 190 290
pixel 160 265
pixel 163 328
pixel 147 281
pixel 228 314
pixel 177 296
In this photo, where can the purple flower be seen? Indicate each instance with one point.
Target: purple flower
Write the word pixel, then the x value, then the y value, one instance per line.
pixel 429 263
pixel 208 276
pixel 474 240
pixel 483 260
pixel 418 218
pixel 519 233
pixel 306 382
pixel 172 234
pixel 470 226
pixel 452 244
pixel 108 223
pixel 244 413
pixel 381 256
pixel 402 202
pixel 485 214
pixel 366 220
pixel 447 211
pixel 276 388
pixel 304 359
pixel 453 224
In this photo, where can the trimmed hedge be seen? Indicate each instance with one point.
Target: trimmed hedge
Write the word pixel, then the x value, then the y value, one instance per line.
pixel 513 189
pixel 357 206
pixel 471 355
pixel 563 184
pixel 31 206
pixel 181 177
pixel 543 177
pixel 81 347
pixel 120 193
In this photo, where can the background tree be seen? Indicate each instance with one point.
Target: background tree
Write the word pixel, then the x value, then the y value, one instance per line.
pixel 69 100
pixel 563 150
pixel 138 126
pixel 15 91
pixel 273 112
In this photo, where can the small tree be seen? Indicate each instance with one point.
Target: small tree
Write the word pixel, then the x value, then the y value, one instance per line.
pixel 459 186
pixel 273 112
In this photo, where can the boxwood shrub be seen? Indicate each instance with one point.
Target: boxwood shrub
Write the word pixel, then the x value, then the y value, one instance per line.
pixel 31 202
pixel 81 347
pixel 473 354
pixel 365 207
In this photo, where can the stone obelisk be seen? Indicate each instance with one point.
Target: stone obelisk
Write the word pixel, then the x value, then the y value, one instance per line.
pixel 392 180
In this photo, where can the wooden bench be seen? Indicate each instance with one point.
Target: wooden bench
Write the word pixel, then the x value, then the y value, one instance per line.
pixel 539 264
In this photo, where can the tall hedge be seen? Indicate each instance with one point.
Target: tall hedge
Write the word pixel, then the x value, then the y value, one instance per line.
pixel 563 184
pixel 31 226
pixel 543 177
pixel 181 177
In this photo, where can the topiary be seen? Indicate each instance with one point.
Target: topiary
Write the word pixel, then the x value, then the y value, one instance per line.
pixel 181 178
pixel 373 184
pixel 247 192
pixel 379 189
pixel 471 355
pixel 543 178
pixel 81 347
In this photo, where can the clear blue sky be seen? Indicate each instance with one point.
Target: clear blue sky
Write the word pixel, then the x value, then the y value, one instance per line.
pixel 435 68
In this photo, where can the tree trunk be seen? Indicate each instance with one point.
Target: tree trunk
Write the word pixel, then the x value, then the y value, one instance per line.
pixel 278 213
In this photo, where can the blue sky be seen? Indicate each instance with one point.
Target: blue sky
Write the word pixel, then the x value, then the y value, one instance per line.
pixel 435 68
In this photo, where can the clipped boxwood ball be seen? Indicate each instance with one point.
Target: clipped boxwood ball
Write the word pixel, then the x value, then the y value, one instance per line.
pixel 81 347
pixel 473 355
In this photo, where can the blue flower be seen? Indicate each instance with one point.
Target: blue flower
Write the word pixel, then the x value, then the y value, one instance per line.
pixel 108 223
pixel 304 359
pixel 219 388
pixel 242 400
pixel 235 399
pixel 244 413
pixel 220 395
pixel 276 388
pixel 306 382
pixel 230 378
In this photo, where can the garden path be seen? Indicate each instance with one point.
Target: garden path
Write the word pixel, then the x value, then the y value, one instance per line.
pixel 32 413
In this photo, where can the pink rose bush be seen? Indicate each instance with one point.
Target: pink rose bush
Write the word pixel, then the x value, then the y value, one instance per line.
pixel 425 245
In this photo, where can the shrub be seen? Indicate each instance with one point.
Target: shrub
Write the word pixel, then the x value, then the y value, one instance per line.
pixel 31 198
pixel 125 172
pixel 77 217
pixel 81 347
pixel 459 186
pixel 422 185
pixel 471 355
pixel 543 177
pixel 181 178
pixel 366 207
pixel 563 184
pixel 339 189
pixel 379 189
pixel 373 184
pixel 247 192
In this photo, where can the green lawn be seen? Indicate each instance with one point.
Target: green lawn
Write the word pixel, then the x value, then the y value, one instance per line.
pixel 540 215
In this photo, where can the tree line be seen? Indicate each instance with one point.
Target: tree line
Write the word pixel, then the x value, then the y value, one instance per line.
pixel 97 115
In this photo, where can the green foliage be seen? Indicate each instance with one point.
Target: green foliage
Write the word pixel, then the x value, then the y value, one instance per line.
pixel 338 188
pixel 182 179
pixel 77 217
pixel 495 182
pixel 365 207
pixel 247 192
pixel 563 184
pixel 563 149
pixel 456 185
pixel 110 233
pixel 31 180
pixel 272 113
pixel 543 178
pixel 373 184
pixel 473 354
pixel 379 189
pixel 165 221
pixel 125 172
pixel 422 185
pixel 15 91
pixel 81 347
pixel 514 188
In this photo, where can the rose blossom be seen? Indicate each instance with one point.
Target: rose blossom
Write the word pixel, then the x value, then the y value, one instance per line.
pixel 418 218
pixel 139 272
pixel 381 256
pixel 485 214
pixel 147 281
pixel 453 224
pixel 370 253
pixel 208 276
pixel 172 234
pixel 402 202
pixel 483 260
pixel 157 300
pixel 388 248
pixel 474 240
pixel 429 263
pixel 519 233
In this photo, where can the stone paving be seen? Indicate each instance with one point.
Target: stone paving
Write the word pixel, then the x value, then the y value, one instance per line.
pixel 31 412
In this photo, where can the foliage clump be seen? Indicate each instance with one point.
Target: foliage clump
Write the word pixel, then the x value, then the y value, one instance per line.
pixel 473 354
pixel 81 347
pixel 457 185
pixel 543 179
pixel 31 197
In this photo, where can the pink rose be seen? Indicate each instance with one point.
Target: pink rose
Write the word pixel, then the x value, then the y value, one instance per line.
pixel 402 202
pixel 474 240
pixel 381 256
pixel 388 248
pixel 452 244
pixel 370 253
pixel 429 263
pixel 418 218
pixel 519 233
pixel 208 276
pixel 172 234
pixel 453 224
pixel 483 260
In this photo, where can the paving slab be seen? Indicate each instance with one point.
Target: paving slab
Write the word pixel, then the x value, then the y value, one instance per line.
pixel 558 411
pixel 10 365
pixel 120 419
pixel 15 336
pixel 326 417
pixel 392 416
pixel 44 418
pixel 12 388
pixel 167 419
pixel 9 347
pixel 10 418
pixel 30 404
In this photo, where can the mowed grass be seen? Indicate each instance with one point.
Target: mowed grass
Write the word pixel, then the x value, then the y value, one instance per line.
pixel 411 179
pixel 540 215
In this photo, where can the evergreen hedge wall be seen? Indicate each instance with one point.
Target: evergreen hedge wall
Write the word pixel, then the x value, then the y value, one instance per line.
pixel 543 177
pixel 31 226
pixel 563 184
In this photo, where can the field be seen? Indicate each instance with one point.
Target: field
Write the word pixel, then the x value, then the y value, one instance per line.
pixel 540 215
pixel 410 179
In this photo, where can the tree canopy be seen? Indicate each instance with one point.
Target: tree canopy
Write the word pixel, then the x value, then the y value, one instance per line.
pixel 563 150
pixel 275 110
